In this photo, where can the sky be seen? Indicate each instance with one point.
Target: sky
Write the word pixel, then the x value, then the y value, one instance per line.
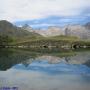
pixel 41 13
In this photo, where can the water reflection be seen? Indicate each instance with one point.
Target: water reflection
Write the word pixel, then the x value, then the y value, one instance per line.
pixel 54 68
pixel 32 70
pixel 11 57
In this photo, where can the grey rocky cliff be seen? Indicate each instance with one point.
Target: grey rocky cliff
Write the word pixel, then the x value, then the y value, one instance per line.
pixel 80 31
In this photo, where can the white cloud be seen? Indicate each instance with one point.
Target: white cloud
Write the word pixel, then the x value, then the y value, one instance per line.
pixel 14 10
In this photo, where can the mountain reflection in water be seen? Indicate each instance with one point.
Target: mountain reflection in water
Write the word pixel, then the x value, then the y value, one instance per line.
pixel 30 70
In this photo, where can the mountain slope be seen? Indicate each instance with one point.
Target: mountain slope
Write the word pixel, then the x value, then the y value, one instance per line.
pixel 80 31
pixel 7 28
pixel 51 31
pixel 87 25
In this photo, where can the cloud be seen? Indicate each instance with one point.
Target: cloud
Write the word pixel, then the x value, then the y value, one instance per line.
pixel 16 10
pixel 54 21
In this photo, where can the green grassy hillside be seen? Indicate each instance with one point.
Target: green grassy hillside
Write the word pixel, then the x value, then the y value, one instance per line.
pixel 10 33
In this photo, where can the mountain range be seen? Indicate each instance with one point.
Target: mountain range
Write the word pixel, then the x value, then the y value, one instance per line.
pixel 8 29
pixel 80 31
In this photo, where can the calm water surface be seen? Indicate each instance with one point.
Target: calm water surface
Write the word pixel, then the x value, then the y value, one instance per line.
pixel 32 70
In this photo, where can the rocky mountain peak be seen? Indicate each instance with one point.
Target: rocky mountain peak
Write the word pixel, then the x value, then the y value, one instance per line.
pixel 80 31
pixel 27 27
pixel 87 25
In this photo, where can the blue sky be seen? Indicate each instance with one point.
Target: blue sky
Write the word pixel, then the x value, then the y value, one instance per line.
pixel 54 21
pixel 44 13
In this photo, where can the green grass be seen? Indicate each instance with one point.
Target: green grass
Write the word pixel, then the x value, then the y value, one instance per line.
pixel 60 39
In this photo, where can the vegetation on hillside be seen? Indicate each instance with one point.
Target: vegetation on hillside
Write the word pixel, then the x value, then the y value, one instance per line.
pixel 5 40
pixel 12 35
pixel 8 29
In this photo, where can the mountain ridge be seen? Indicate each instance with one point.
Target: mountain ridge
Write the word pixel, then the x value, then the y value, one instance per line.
pixel 81 31
pixel 7 28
